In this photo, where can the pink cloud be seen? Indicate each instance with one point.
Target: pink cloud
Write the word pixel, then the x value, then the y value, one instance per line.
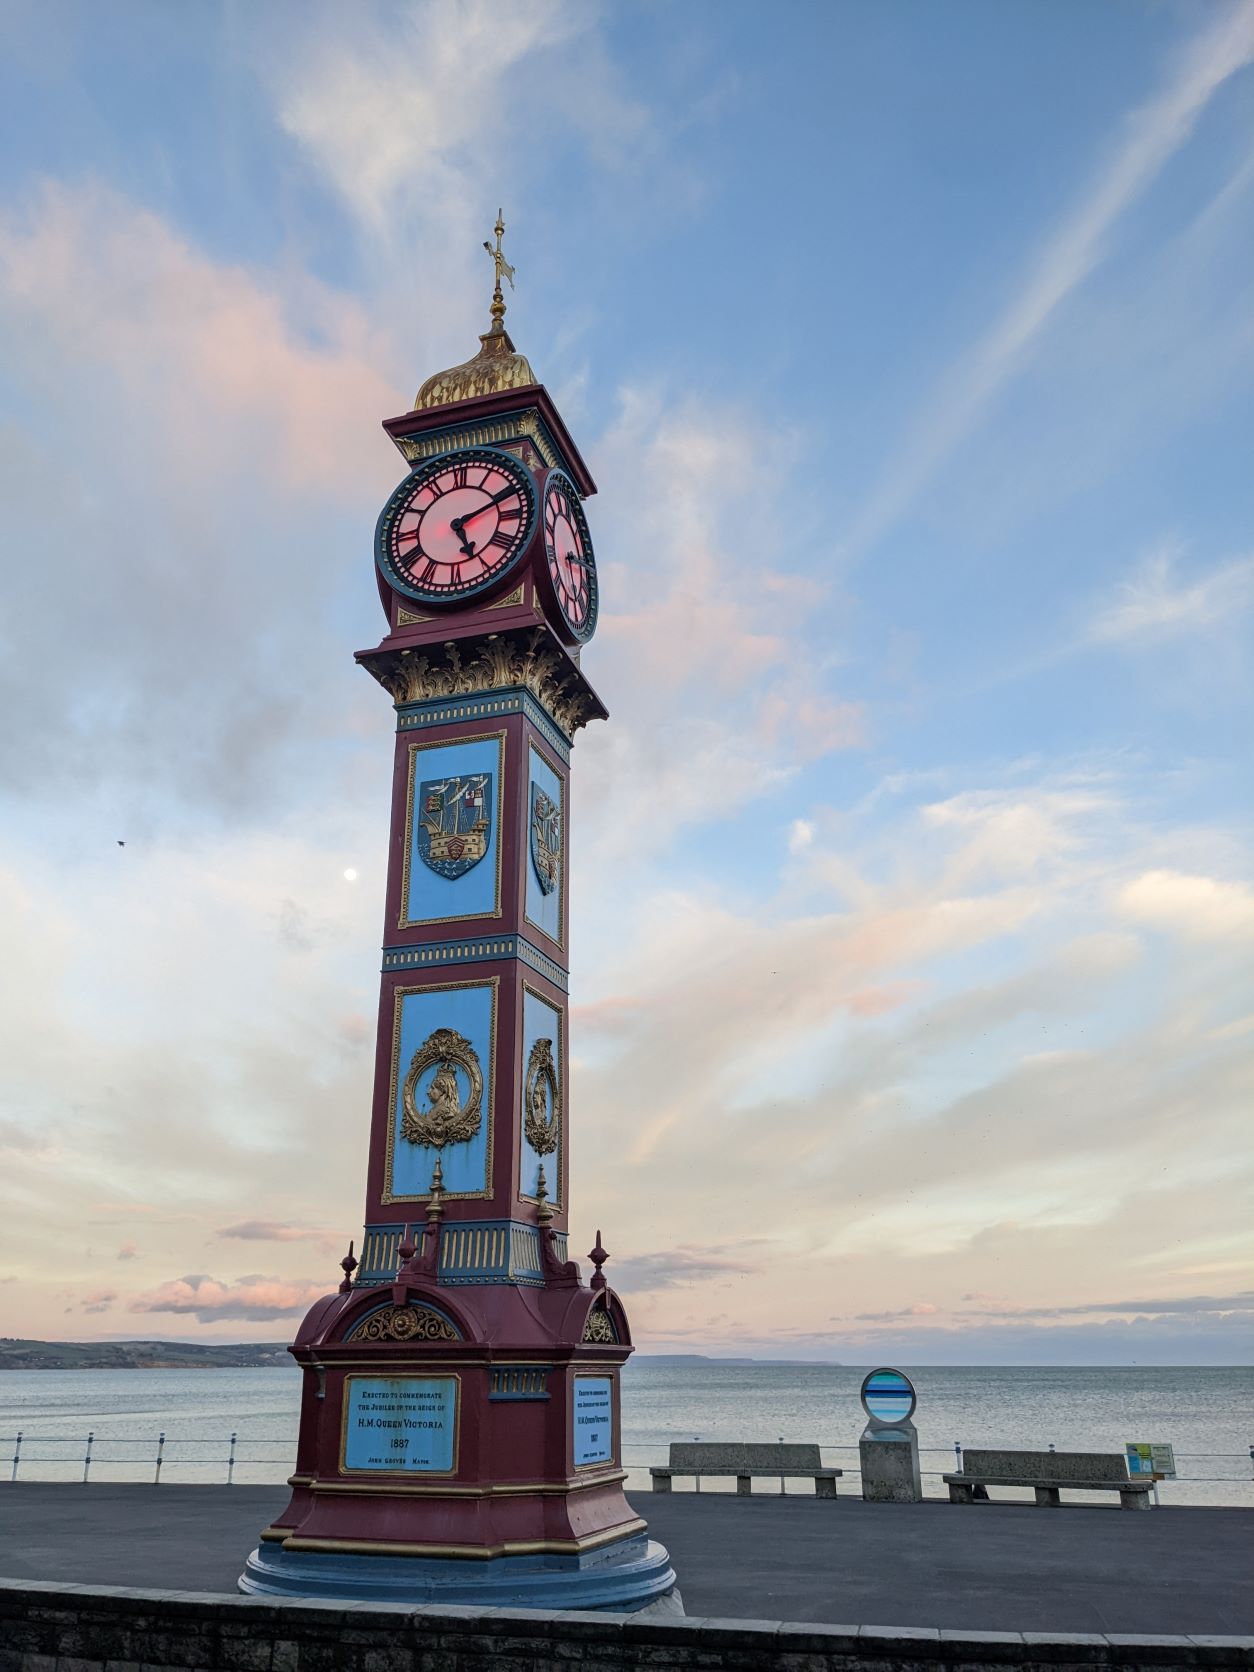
pixel 127 1251
pixel 253 1298
pixel 288 374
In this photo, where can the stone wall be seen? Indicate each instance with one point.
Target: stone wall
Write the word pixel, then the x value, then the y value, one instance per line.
pixel 74 1628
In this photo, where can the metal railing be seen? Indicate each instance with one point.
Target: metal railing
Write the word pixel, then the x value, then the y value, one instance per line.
pixel 146 1457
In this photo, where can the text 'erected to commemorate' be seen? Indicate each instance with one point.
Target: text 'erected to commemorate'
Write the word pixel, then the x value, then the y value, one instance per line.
pixel 594 1419
pixel 401 1422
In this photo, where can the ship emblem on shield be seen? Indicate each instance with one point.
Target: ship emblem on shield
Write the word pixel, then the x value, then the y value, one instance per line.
pixel 546 838
pixel 454 823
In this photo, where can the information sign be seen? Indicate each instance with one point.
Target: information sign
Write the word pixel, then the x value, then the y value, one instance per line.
pixel 406 1423
pixel 1156 1460
pixel 594 1420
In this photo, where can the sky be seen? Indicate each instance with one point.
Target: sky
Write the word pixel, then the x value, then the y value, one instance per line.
pixel 910 346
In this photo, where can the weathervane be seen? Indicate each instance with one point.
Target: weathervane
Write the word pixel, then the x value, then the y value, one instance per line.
pixel 502 266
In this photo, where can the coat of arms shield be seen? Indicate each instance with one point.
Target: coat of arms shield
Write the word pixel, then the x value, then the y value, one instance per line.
pixel 454 823
pixel 546 838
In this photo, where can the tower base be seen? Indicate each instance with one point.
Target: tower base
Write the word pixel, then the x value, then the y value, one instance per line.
pixel 632 1574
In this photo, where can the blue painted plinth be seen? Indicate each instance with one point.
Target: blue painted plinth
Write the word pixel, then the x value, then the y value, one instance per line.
pixel 620 1577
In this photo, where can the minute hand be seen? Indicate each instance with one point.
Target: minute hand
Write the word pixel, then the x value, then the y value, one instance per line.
pixel 495 500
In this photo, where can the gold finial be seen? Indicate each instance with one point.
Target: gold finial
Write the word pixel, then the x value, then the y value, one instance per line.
pixel 497 366
pixel 497 309
pixel 544 1211
pixel 435 1202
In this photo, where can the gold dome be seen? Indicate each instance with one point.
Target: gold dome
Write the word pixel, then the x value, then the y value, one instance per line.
pixel 497 366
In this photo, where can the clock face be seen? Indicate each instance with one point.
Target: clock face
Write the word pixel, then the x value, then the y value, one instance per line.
pixel 456 525
pixel 568 555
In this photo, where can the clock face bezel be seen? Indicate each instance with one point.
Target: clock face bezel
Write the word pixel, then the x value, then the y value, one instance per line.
pixel 561 481
pixel 390 562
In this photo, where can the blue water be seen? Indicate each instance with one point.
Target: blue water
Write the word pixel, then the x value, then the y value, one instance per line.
pixel 1207 1414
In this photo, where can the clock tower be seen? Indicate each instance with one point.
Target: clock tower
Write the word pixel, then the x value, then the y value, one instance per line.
pixel 459 1426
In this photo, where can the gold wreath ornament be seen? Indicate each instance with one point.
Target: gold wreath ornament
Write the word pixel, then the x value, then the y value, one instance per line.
pixel 542 1102
pixel 404 1323
pixel 446 1120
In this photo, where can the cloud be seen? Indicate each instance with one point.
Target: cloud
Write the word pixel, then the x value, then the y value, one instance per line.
pixel 719 701
pixel 403 119
pixel 1151 136
pixel 270 1230
pixel 98 1300
pixel 1200 908
pixel 920 1309
pixel 682 1266
pixel 186 372
pixel 128 1251
pixel 1209 1306
pixel 255 1299
pixel 1152 605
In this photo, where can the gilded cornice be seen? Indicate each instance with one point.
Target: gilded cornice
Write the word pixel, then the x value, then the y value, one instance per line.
pixel 499 662
pixel 486 432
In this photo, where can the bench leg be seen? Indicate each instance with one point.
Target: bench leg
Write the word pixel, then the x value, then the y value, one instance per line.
pixel 1047 1497
pixel 744 1485
pixel 661 1483
pixel 824 1488
pixel 1134 1500
pixel 960 1494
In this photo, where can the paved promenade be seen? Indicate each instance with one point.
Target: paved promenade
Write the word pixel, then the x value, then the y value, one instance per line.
pixel 989 1567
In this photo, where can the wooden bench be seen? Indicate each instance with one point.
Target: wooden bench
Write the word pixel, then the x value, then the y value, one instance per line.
pixel 744 1460
pixel 1048 1473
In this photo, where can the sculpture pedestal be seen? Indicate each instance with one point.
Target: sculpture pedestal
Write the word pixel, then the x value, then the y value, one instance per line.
pixel 889 1459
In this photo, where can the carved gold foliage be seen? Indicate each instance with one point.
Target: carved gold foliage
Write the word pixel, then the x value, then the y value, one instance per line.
pixel 446 1120
pixel 600 1327
pixel 493 664
pixel 404 1323
pixel 542 1102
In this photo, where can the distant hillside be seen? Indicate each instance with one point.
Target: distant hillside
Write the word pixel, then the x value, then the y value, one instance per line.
pixel 191 1355
pixel 695 1361
pixel 138 1355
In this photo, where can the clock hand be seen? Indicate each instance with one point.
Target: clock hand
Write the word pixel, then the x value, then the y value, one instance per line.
pixel 458 525
pixel 495 500
pixel 582 562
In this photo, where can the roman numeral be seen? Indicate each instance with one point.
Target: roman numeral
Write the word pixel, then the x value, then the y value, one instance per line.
pixel 502 539
pixel 461 475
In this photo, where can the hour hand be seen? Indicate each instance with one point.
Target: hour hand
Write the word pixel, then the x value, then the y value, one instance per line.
pixel 458 525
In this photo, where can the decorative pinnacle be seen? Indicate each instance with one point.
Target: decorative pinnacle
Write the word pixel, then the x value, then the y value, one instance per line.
pixel 598 1256
pixel 497 310
pixel 348 1265
pixel 408 1248
pixel 435 1202
pixel 544 1210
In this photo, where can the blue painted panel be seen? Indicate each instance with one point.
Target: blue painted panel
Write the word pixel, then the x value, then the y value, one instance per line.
pixel 428 895
pixel 541 1020
pixel 544 910
pixel 593 1413
pixel 470 1011
pixel 403 1423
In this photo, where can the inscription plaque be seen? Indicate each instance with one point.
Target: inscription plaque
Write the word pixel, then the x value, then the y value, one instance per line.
pixel 594 1420
pixel 403 1423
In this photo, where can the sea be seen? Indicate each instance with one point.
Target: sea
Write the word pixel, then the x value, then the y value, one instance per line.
pixel 240 1424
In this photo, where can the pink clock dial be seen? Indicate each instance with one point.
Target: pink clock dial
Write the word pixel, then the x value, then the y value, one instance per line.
pixel 568 555
pixel 456 526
